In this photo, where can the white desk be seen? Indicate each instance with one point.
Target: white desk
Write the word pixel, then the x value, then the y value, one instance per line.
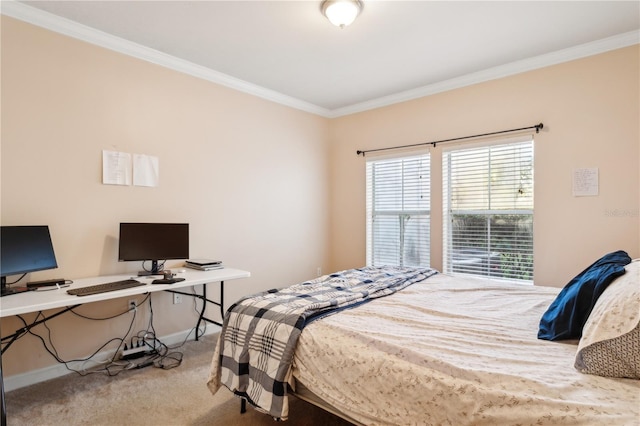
pixel 35 301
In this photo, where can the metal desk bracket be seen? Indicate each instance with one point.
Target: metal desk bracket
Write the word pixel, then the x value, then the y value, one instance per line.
pixel 205 300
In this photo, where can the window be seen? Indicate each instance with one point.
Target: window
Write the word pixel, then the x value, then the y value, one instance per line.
pixel 398 216
pixel 488 211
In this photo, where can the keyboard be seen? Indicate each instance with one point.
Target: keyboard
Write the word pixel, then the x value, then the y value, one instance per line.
pixel 103 288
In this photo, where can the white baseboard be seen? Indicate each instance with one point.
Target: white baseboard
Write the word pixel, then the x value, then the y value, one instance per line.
pixel 58 370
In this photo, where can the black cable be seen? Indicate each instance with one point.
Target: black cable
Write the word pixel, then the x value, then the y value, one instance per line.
pixel 90 356
pixel 166 353
pixel 111 317
pixel 160 265
pixel 54 352
pixel 21 277
pixel 174 356
pixel 160 355
pixel 185 340
pixel 197 311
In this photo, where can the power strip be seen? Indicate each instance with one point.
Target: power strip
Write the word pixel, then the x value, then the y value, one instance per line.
pixel 56 370
pixel 134 352
pixel 146 347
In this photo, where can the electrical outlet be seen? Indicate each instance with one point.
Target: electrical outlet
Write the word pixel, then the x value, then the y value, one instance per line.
pixel 319 271
pixel 177 298
pixel 132 305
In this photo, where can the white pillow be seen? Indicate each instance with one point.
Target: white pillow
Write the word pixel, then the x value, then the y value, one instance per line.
pixel 610 343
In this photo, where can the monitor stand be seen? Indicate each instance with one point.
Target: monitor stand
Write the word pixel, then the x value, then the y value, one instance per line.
pixel 148 273
pixel 154 270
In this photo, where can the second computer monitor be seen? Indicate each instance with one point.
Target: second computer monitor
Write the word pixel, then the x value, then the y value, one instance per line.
pixel 153 242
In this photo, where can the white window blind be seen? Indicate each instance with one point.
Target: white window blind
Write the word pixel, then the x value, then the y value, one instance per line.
pixel 488 211
pixel 398 216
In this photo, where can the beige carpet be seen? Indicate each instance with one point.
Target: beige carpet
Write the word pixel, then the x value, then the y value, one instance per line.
pixel 148 396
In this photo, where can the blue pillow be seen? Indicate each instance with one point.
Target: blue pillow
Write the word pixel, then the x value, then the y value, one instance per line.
pixel 567 314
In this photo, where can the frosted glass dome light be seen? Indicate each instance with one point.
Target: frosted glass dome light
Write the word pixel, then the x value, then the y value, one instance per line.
pixel 341 13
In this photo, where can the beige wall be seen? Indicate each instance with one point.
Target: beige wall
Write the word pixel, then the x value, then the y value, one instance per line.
pixel 250 176
pixel 254 178
pixel 590 110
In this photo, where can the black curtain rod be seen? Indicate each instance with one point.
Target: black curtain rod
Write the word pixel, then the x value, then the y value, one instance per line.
pixel 537 127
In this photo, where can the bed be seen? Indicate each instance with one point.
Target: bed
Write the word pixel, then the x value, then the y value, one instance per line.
pixel 449 350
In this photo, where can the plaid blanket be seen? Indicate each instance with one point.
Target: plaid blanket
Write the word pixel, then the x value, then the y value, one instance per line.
pixel 259 333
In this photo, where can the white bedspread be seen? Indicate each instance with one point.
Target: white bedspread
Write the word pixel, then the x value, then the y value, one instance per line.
pixel 456 351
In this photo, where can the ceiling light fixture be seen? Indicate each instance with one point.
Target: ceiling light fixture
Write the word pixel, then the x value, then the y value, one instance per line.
pixel 341 13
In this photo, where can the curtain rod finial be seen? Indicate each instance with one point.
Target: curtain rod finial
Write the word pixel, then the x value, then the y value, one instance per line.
pixel 360 153
pixel 538 127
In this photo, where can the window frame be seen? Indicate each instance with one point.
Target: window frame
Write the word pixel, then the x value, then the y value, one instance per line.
pixel 449 213
pixel 403 214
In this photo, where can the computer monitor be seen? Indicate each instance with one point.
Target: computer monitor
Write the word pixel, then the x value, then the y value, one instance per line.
pixel 24 249
pixel 153 242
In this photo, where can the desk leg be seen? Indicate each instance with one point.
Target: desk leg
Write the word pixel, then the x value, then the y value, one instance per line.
pixel 201 317
pixel 4 406
pixel 204 308
pixel 221 301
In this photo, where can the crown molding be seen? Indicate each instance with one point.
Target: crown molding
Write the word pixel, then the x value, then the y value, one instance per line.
pixel 565 55
pixel 78 31
pixel 73 29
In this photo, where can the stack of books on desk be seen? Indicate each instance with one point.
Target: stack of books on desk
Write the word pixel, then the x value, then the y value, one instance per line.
pixel 203 264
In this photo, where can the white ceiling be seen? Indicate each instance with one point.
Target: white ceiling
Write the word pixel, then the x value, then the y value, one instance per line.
pixel 396 50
